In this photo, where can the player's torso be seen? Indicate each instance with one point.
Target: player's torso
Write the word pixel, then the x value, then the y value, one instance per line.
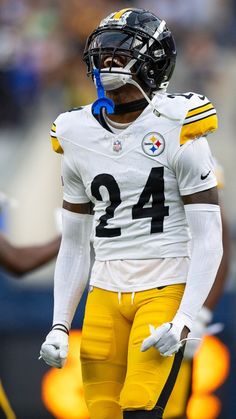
pixel 138 210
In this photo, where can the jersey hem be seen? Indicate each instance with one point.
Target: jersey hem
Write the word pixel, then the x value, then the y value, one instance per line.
pixel 160 283
pixel 125 256
pixel 76 200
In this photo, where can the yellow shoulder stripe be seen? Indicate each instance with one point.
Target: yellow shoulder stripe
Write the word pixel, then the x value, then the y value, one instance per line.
pixel 198 128
pixel 56 145
pixel 53 127
pixel 119 14
pixel 208 106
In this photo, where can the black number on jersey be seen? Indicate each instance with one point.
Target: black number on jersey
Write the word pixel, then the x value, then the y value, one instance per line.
pixel 154 189
pixel 153 192
pixel 187 96
pixel 114 194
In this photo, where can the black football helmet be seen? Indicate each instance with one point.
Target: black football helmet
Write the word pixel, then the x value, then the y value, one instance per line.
pixel 141 40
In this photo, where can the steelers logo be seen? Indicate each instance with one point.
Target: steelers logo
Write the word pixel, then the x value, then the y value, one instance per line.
pixel 153 144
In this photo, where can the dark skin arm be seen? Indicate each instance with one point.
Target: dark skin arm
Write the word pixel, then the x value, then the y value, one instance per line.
pixel 78 208
pixel 21 260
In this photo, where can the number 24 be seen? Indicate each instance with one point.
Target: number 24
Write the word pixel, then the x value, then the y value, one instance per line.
pixel 156 211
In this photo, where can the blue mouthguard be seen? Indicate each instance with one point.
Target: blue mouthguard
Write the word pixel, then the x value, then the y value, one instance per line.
pixel 102 101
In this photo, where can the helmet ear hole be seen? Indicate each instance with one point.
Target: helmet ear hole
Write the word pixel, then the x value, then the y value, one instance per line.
pixel 146 74
pixel 151 73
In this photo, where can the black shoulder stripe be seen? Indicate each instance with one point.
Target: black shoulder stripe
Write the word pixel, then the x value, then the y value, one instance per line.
pixel 200 113
pixel 200 119
pixel 201 106
pixel 75 109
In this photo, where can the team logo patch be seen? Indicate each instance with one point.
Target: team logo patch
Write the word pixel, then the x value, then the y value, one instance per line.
pixel 120 18
pixel 153 144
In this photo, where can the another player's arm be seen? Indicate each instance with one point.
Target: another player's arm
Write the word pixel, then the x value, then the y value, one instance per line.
pixel 21 260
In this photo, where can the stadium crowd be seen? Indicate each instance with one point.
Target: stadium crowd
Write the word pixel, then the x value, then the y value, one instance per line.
pixel 42 43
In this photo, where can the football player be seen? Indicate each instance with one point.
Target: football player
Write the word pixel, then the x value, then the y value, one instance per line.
pixel 148 171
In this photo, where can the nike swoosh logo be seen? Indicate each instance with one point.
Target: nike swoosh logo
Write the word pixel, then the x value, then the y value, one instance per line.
pixel 205 176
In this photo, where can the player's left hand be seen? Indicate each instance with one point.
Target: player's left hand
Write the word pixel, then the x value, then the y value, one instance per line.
pixel 166 338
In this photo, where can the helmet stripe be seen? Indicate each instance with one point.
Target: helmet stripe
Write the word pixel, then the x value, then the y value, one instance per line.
pixel 118 15
pixel 159 30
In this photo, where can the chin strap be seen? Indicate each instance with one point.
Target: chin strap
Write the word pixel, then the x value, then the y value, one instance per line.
pixel 155 110
pixel 136 105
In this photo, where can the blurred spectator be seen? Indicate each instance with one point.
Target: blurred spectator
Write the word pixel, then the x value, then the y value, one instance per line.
pixel 201 63
pixel 42 45
pixel 190 14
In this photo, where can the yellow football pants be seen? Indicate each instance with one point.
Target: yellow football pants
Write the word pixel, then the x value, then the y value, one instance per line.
pixel 116 375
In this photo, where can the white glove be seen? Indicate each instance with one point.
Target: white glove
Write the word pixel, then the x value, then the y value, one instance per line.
pixel 166 338
pixel 54 350
pixel 199 329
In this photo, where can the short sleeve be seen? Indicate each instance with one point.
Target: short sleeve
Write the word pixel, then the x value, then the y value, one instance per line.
pixel 200 120
pixel 73 187
pixel 194 167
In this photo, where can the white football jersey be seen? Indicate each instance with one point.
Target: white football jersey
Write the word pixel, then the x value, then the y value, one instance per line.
pixel 135 178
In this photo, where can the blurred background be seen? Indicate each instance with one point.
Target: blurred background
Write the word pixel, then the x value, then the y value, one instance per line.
pixel 41 75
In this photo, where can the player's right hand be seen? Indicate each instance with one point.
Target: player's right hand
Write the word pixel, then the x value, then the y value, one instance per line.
pixel 54 350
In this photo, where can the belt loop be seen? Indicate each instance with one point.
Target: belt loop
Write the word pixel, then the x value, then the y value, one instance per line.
pixel 119 297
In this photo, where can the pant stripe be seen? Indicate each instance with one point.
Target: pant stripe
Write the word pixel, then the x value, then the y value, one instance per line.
pixel 170 382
